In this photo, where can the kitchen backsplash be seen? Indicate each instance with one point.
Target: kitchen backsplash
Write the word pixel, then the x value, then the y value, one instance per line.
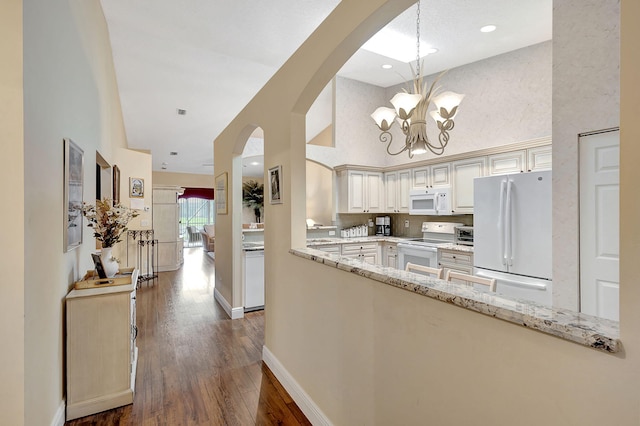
pixel 397 222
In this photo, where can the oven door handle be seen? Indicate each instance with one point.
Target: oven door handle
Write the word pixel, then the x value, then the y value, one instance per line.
pixel 417 247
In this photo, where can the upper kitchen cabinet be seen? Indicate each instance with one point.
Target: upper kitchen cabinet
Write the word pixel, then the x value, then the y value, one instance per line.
pixel 397 186
pixel 507 163
pixel 539 158
pixel 360 191
pixel 464 171
pixel 433 176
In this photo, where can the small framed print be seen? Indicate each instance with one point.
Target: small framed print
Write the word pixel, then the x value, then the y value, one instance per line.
pixel 136 187
pixel 220 194
pixel 275 185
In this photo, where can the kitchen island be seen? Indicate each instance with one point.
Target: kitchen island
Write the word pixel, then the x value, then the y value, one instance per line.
pixel 593 332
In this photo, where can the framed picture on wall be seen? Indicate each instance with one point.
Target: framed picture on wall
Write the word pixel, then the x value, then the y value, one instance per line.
pixel 116 185
pixel 275 185
pixel 136 187
pixel 220 194
pixel 73 187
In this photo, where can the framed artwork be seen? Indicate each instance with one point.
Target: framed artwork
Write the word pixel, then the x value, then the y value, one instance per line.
pixel 73 186
pixel 275 185
pixel 116 185
pixel 221 193
pixel 136 187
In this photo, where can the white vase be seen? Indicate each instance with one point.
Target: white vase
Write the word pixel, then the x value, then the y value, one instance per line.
pixel 108 262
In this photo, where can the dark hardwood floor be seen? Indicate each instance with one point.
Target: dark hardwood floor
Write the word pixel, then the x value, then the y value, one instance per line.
pixel 195 365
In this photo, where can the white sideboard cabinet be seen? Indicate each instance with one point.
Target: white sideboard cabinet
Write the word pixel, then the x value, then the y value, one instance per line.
pixel 101 348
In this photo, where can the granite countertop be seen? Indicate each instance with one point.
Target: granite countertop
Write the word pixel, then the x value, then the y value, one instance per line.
pixel 597 333
pixel 456 247
pixel 338 240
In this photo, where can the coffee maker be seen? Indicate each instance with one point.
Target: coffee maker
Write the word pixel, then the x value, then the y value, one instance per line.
pixel 380 225
pixel 387 226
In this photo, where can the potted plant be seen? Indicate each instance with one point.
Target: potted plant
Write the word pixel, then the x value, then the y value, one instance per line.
pixel 109 221
pixel 253 197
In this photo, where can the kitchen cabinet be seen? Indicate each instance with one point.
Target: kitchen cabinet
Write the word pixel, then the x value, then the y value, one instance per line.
pixel 397 186
pixel 390 255
pixel 507 163
pixel 455 260
pixel 332 248
pixel 360 192
pixel 101 348
pixel 366 252
pixel 433 176
pixel 253 280
pixel 539 158
pixel 464 171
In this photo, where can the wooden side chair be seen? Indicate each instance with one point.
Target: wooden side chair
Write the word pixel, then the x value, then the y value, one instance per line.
pixel 413 267
pixel 470 280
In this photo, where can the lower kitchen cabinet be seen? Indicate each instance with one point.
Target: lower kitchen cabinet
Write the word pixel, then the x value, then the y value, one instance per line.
pixel 459 261
pixel 366 252
pixel 390 255
pixel 333 248
pixel 101 348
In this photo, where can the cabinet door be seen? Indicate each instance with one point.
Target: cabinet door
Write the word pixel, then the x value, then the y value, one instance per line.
pixel 370 258
pixel 464 172
pixel 402 191
pixel 374 198
pixel 356 191
pixel 539 158
pixel 507 163
pixel 390 191
pixel 420 177
pixel 440 175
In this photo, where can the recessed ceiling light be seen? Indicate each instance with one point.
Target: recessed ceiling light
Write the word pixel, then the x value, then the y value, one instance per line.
pixel 181 111
pixel 488 28
pixel 173 153
pixel 255 163
pixel 430 51
pixel 387 66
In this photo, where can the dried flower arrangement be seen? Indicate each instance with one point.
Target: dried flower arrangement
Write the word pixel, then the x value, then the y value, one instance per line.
pixel 108 220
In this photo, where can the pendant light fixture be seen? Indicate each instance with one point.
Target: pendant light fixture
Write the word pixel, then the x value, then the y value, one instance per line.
pixel 411 111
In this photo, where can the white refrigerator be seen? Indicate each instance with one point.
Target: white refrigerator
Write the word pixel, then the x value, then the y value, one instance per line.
pixel 512 234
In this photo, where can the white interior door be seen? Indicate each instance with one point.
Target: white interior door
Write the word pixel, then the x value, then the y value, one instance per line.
pixel 599 224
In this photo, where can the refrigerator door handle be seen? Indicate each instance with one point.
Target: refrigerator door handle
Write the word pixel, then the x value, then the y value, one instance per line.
pixel 508 226
pixel 501 219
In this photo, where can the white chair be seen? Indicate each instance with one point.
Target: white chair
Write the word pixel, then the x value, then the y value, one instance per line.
pixel 470 279
pixel 413 267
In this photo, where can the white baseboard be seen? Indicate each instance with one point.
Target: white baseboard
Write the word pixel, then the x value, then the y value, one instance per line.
pixel 302 399
pixel 58 419
pixel 234 313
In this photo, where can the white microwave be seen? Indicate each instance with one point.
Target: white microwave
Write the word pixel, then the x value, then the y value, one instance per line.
pixel 430 201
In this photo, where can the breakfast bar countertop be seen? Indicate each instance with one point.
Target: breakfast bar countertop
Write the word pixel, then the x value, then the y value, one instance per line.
pixel 597 333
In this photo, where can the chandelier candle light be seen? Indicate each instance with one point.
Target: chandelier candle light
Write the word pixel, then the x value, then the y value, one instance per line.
pixel 411 110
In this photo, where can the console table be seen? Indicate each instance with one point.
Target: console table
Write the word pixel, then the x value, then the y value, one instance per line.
pixel 101 344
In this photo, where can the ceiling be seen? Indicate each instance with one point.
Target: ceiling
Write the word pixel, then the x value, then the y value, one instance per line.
pixel 210 58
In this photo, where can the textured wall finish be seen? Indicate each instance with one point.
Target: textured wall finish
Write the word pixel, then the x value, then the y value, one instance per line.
pixel 586 94
pixel 508 99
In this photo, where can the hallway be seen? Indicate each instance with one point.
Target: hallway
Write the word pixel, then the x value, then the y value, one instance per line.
pixel 195 365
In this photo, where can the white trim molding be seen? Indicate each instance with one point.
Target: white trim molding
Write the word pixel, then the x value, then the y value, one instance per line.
pixel 234 313
pixel 59 417
pixel 302 399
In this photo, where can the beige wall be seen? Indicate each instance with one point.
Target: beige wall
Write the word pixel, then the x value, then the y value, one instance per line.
pixel 586 98
pixel 367 353
pixel 12 217
pixel 186 180
pixel 70 90
pixel 319 193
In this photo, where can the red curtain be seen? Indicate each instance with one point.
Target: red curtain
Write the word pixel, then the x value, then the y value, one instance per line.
pixel 205 193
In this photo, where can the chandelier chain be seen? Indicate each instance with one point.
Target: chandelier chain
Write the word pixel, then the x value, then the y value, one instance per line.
pixel 418 39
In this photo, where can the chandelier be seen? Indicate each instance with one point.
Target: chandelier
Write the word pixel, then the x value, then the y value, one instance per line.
pixel 411 111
